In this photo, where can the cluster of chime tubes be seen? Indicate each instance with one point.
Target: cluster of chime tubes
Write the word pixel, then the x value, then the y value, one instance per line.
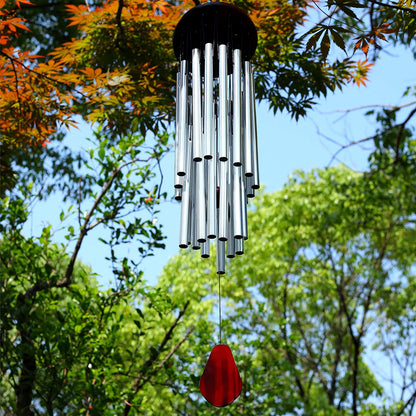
pixel 216 160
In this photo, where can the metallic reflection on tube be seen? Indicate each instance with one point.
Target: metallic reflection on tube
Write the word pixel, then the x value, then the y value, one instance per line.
pixel 236 95
pixel 248 161
pixel 209 144
pixel 200 209
pixel 205 249
pixel 182 120
pixel 223 205
pixel 239 247
pixel 220 257
pixel 255 156
pixel 223 107
pixel 196 104
pixel 178 194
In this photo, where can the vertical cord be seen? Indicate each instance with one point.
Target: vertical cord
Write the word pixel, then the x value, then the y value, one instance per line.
pixel 219 304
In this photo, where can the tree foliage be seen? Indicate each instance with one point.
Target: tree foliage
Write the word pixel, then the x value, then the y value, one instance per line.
pixel 321 311
pixel 68 345
pixel 331 271
pixel 114 65
pixel 114 62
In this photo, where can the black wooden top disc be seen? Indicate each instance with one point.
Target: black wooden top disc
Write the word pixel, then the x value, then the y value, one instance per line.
pixel 217 23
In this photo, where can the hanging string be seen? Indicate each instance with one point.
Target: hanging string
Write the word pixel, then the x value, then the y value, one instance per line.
pixel 219 304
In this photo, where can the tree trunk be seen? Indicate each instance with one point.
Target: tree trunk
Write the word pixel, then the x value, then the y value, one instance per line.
pixel 24 388
pixel 355 376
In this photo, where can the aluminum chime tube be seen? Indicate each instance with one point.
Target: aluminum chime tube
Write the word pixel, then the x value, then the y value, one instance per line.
pixel 216 160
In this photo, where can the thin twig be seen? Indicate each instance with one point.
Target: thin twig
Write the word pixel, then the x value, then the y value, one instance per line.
pixel 67 279
pixel 345 146
pixel 400 132
pixel 171 352
pixel 39 74
pixel 141 380
pixel 409 401
pixel 393 6
pixel 363 107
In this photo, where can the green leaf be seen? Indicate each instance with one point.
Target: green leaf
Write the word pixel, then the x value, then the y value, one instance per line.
pixel 139 311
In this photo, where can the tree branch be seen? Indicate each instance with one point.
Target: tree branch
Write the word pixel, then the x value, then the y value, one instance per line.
pixel 393 6
pixel 346 146
pixel 337 358
pixel 363 107
pixel 141 380
pixel 312 360
pixel 400 132
pixel 290 356
pixel 411 399
pixel 355 340
pixel 118 18
pixel 39 74
pixel 67 279
pixel 167 358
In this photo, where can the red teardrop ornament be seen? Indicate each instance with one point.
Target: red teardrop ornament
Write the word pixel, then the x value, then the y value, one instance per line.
pixel 220 383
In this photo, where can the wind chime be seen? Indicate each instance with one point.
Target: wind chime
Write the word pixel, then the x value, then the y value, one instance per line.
pixel 216 160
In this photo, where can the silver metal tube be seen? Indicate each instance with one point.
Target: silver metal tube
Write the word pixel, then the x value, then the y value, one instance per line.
pixel 184 232
pixel 189 130
pixel 200 209
pixel 178 124
pixel 244 207
pixel 248 160
pixel 212 185
pixel 237 201
pixel 211 199
pixel 186 204
pixel 182 121
pixel 237 158
pixel 178 194
pixel 223 107
pixel 193 202
pixel 239 247
pixel 196 104
pixel 190 216
pixel 195 245
pixel 256 182
pixel 220 257
pixel 178 181
pixel 178 83
pixel 220 248
pixel 223 202
pixel 250 192
pixel 230 240
pixel 231 248
pixel 205 249
pixel 191 172
pixel 230 201
pixel 209 100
